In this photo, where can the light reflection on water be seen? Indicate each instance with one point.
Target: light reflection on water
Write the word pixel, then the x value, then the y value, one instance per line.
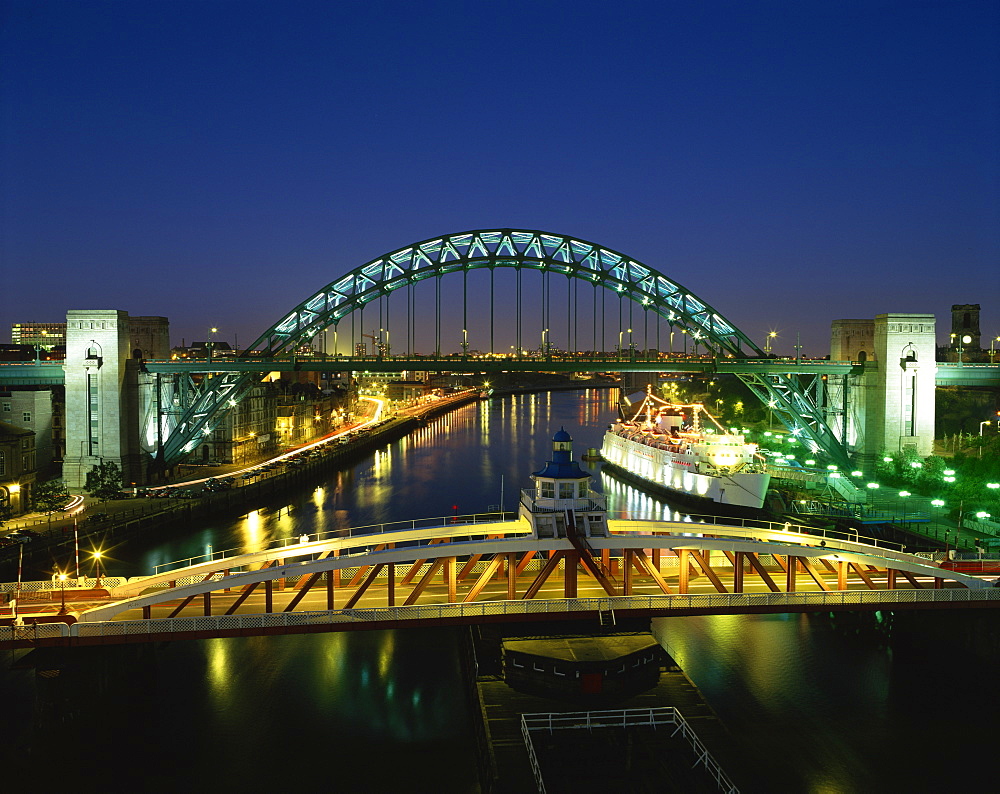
pixel 853 702
pixel 818 705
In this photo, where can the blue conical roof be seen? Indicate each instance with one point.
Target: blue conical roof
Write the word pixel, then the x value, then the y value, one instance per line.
pixel 562 466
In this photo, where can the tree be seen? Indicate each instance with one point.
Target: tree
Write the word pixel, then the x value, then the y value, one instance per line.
pixel 104 481
pixel 50 495
pixel 6 514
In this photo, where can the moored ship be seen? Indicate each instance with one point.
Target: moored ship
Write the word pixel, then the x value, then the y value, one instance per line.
pixel 667 445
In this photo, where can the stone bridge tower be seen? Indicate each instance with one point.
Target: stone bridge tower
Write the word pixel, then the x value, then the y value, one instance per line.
pixel 102 392
pixel 890 406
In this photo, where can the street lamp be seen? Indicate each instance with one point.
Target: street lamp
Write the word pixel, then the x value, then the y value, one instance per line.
pixel 903 495
pixel 767 342
pixel 992 347
pixel 872 487
pixel 211 342
pixel 97 562
pixel 938 503
pixel 62 593
pixel 962 342
pixel 620 335
pixel 981 426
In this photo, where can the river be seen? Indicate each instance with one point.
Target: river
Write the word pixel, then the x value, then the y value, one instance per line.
pixel 852 703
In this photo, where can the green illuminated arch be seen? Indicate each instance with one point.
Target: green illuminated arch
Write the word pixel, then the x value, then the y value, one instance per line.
pixel 438 257
pixel 514 248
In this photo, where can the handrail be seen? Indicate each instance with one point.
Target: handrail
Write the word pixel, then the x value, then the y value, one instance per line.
pixel 622 718
pixel 367 532
pixel 767 526
pixel 491 609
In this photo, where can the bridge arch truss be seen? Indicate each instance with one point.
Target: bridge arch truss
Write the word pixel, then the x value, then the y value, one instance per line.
pixel 199 408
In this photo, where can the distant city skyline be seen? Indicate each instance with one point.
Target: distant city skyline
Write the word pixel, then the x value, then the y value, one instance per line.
pixel 217 163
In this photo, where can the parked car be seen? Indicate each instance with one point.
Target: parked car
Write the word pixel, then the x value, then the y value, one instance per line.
pixel 17 537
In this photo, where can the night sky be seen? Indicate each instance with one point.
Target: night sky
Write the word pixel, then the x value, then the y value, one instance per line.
pixel 217 162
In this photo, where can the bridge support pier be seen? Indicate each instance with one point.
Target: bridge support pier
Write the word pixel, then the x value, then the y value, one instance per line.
pixel 570 569
pixel 791 568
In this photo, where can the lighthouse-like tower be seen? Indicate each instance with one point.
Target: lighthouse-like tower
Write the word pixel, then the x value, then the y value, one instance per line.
pixel 563 502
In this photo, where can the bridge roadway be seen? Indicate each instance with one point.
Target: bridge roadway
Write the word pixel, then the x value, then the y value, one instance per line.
pixel 493 570
pixel 50 373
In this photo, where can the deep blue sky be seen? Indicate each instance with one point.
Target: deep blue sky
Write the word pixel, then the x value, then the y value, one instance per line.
pixel 216 162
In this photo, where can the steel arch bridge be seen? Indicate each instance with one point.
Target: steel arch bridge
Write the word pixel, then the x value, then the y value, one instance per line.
pixel 201 407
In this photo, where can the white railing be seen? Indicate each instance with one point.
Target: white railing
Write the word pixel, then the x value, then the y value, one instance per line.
pixel 622 718
pixel 366 534
pixel 719 602
pixel 721 523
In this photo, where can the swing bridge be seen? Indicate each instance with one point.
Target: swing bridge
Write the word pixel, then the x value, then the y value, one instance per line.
pixel 474 569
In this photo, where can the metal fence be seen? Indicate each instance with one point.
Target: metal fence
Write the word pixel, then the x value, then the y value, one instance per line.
pixel 666 716
pixel 721 602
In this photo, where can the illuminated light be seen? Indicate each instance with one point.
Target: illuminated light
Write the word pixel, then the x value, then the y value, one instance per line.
pixel 904 493
pixel 873 485
pixel 887 460
pixel 15 488
pixel 948 472
pixel 831 467
pixel 937 502
pixel 949 479
pixel 982 514
pixel 993 485
pixel 810 462
pixel 857 474
pixel 916 465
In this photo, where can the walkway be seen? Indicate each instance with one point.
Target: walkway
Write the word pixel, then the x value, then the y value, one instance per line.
pixel 484 570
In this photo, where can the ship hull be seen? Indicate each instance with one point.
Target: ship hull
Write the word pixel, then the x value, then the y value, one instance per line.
pixel 674 475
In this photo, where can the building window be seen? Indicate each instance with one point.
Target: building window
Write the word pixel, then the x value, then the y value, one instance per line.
pixel 546 490
pixel 26 416
pixel 6 407
pixel 566 490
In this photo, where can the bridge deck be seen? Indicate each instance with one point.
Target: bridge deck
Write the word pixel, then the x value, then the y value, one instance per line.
pixel 445 573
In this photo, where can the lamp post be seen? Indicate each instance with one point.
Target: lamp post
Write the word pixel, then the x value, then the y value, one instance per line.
pixel 992 347
pixel 767 342
pixel 62 593
pixel 981 426
pixel 902 496
pixel 211 342
pixel 872 487
pixel 620 346
pixel 97 562
pixel 938 503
